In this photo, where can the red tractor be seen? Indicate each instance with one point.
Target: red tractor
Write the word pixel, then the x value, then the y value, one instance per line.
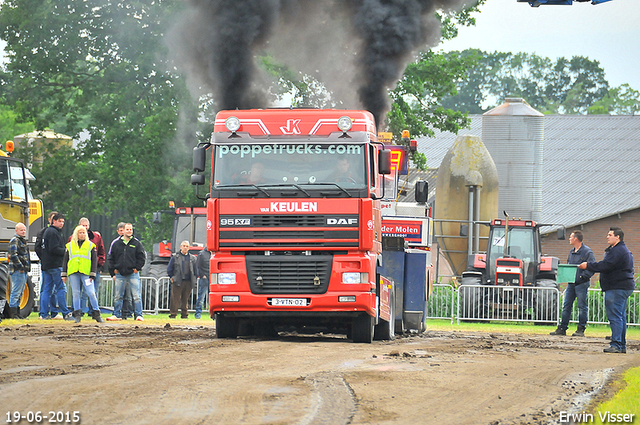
pixel 513 280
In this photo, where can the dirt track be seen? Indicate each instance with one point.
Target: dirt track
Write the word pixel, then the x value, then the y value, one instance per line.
pixel 148 374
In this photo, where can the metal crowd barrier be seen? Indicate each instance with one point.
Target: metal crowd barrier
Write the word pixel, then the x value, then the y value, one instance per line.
pixel 442 302
pixel 155 294
pixel 467 302
pixel 508 303
pixel 540 305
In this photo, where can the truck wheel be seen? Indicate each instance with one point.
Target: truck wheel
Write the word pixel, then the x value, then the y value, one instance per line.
pixel 472 299
pixel 27 300
pixel 546 303
pixel 385 330
pixel 226 327
pixel 362 328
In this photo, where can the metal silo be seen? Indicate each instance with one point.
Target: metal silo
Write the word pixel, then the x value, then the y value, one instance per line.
pixel 514 135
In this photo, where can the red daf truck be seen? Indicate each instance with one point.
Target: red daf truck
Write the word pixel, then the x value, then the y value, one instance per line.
pixel 294 222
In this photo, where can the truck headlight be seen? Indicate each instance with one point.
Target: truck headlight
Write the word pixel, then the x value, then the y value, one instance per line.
pixel 355 277
pixel 223 278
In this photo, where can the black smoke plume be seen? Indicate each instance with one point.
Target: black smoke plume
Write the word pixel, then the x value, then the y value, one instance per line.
pixel 352 46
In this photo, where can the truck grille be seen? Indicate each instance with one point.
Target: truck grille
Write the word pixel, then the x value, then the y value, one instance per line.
pixel 295 231
pixel 295 274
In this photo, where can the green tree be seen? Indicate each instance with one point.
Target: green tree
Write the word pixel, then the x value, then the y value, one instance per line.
pixel 98 71
pixel 9 125
pixel 622 100
pixel 561 86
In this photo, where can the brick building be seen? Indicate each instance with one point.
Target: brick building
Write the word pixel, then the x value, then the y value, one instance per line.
pixel 595 236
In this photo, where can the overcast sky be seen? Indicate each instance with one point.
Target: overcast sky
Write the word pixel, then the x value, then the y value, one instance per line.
pixel 607 32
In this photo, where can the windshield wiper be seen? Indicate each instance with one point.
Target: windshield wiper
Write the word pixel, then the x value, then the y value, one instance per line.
pixel 224 186
pixel 334 184
pixel 297 186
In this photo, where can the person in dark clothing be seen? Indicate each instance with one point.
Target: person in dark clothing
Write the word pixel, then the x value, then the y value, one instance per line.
pixel 127 301
pixel 19 266
pixel 126 259
pixel 52 256
pixel 202 265
pixel 182 272
pixel 578 289
pixel 616 281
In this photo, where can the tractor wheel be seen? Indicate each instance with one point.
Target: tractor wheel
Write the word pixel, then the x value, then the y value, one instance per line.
pixel 27 301
pixel 4 290
pixel 226 327
pixel 385 330
pixel 362 328
pixel 472 298
pixel 546 303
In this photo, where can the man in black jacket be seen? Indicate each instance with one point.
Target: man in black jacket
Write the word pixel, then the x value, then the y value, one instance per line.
pixel 126 259
pixel 183 273
pixel 53 248
pixel 616 280
pixel 202 265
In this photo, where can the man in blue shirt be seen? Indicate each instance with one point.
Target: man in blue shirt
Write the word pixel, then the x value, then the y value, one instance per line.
pixel 578 289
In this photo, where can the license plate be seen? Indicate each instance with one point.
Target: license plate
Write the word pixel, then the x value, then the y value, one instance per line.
pixel 288 302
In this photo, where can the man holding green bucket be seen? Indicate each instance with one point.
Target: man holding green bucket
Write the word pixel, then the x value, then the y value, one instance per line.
pixel 578 289
pixel 616 280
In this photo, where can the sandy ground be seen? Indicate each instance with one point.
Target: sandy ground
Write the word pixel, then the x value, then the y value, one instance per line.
pixel 132 373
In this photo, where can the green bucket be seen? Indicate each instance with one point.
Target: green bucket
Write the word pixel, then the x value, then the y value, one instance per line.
pixel 567 273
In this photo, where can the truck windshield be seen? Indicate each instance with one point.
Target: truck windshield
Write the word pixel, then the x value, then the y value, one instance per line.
pixel 184 232
pixel 520 243
pixel 13 182
pixel 290 163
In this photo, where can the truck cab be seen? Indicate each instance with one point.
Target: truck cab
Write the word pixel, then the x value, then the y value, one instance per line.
pixel 294 220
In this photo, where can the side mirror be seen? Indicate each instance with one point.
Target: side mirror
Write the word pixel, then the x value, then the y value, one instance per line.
pixel 464 230
pixel 199 159
pixel 197 179
pixel 384 162
pixel 421 191
pixel 157 217
pixel 562 233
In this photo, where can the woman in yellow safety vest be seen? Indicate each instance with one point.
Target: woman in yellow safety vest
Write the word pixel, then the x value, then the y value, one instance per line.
pixel 80 265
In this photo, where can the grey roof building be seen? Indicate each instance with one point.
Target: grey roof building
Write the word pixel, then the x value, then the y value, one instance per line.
pixel 591 165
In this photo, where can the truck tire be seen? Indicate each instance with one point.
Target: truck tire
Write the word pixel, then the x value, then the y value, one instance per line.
pixel 362 328
pixel 546 303
pixel 226 327
pixel 386 330
pixel 472 299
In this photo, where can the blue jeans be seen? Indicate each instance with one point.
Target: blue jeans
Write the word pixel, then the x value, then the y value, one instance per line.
pixel 133 281
pixel 52 280
pixel 82 283
pixel 18 282
pixel 87 308
pixel 615 301
pixel 203 291
pixel 580 292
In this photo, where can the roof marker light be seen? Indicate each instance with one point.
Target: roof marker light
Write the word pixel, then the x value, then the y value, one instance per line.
pixel 345 123
pixel 232 124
